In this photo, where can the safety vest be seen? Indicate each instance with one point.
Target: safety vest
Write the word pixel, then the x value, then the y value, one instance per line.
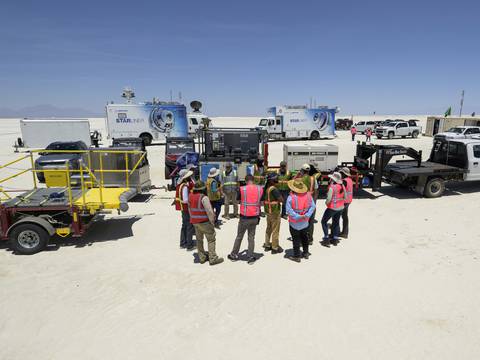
pixel 271 206
pixel 250 197
pixel 309 182
pixel 179 205
pixel 230 181
pixel 338 197
pixel 198 214
pixel 348 190
pixel 259 176
pixel 283 180
pixel 300 203
pixel 353 130
pixel 213 196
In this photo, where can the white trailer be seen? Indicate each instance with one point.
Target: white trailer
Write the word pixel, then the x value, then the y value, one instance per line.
pixel 299 122
pixel 38 133
pixel 324 157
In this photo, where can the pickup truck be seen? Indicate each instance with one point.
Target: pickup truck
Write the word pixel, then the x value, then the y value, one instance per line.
pixel 400 128
pixel 449 161
pixel 52 160
pixel 459 132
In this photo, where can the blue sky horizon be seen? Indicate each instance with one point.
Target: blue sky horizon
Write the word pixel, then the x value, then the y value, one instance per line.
pixel 239 58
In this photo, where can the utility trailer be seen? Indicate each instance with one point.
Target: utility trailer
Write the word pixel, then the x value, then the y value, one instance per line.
pixel 31 218
pixel 449 161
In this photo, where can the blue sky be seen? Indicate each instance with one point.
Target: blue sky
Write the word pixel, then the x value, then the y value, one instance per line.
pixel 240 57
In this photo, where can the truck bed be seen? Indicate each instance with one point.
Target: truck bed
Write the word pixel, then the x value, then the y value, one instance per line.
pixel 410 168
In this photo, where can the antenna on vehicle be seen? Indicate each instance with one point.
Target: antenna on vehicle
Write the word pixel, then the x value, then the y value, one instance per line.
pixel 196 105
pixel 128 94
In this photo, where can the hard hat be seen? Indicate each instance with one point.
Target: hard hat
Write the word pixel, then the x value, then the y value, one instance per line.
pixel 283 163
pixel 306 167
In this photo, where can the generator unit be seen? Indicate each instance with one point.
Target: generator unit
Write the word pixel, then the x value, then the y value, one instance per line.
pixel 243 147
pixel 324 157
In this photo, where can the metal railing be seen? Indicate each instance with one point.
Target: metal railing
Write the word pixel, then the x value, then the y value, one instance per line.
pixel 94 182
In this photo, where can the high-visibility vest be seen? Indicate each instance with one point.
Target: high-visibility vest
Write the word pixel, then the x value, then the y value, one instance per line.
pixel 309 182
pixel 338 197
pixel 179 205
pixel 259 176
pixel 213 196
pixel 283 180
pixel 271 206
pixel 348 190
pixel 230 181
pixel 198 214
pixel 300 203
pixel 250 197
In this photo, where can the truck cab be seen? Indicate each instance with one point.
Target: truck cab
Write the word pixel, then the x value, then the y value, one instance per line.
pixel 272 125
pixel 196 121
pixel 459 132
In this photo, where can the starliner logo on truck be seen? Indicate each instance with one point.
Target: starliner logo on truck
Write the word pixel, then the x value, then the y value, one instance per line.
pixel 129 120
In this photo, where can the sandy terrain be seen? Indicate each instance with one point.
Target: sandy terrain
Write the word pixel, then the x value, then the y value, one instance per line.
pixel 403 286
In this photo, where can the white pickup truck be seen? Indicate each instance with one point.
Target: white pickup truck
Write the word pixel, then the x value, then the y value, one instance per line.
pixel 400 128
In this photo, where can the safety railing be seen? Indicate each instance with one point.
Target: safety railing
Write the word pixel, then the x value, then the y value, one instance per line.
pixel 83 169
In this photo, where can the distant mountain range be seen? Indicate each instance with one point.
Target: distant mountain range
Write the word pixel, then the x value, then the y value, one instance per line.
pixel 46 111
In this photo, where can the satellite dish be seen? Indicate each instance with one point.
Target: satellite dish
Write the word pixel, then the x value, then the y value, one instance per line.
pixel 196 105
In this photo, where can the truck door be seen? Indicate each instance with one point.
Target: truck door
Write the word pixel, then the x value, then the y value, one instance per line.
pixel 279 124
pixel 473 152
pixel 402 129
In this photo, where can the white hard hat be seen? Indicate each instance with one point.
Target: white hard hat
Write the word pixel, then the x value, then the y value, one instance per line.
pixel 306 167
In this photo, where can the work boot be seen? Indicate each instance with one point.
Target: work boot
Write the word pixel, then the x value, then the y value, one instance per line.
pixel 191 247
pixel 278 250
pixel 294 258
pixel 306 255
pixel 216 261
pixel 251 260
pixel 343 235
pixel 232 257
pixel 203 260
pixel 285 217
pixel 334 242
pixel 325 242
pixel 226 216
pixel 267 247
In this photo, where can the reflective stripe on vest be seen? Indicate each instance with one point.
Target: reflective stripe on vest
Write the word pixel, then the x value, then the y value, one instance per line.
pixel 271 206
pixel 179 205
pixel 300 204
pixel 348 190
pixel 338 197
pixel 198 214
pixel 230 179
pixel 249 206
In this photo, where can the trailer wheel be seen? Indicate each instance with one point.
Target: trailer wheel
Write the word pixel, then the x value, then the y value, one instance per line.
pixel 28 238
pixel 391 135
pixel 147 139
pixel 415 134
pixel 315 135
pixel 434 188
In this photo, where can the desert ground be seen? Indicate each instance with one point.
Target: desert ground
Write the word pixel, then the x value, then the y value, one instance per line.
pixel 403 286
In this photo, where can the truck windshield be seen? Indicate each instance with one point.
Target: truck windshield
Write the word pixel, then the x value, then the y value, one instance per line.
pixel 263 122
pixel 455 130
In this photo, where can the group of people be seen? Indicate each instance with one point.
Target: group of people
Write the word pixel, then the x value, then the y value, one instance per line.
pixel 282 195
pixel 368 133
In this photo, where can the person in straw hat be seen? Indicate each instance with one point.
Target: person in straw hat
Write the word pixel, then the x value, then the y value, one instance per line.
pixel 348 183
pixel 203 219
pixel 182 190
pixel 335 203
pixel 300 207
pixel 214 192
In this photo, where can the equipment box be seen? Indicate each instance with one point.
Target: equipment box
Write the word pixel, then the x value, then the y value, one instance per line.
pixel 323 157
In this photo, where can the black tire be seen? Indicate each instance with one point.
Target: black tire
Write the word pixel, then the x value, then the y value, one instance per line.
pixel 147 139
pixel 434 188
pixel 28 239
pixel 379 136
pixel 391 135
pixel 415 134
pixel 403 137
pixel 315 135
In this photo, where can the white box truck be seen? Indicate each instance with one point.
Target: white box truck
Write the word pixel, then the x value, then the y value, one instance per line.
pixel 38 133
pixel 299 122
pixel 324 157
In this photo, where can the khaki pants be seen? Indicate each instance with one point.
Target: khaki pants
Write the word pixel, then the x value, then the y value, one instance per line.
pixel 273 230
pixel 231 198
pixel 208 230
pixel 245 225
